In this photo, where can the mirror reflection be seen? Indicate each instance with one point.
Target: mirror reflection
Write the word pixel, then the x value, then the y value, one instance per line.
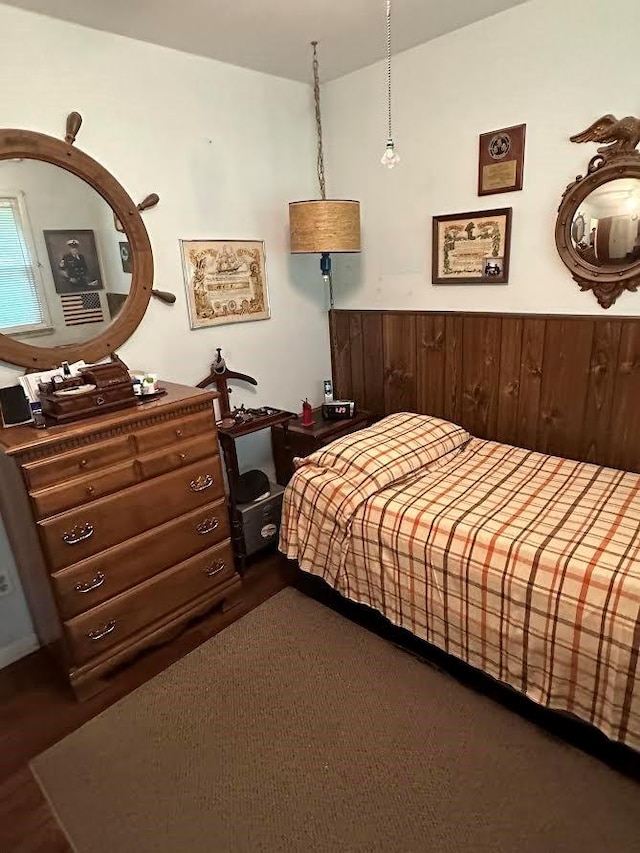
pixel 606 228
pixel 65 271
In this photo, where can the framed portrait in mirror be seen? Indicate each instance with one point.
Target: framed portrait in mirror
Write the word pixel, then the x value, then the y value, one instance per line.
pixel 578 229
pixel 73 257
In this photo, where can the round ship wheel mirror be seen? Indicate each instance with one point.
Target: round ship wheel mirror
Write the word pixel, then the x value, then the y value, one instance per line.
pixel 598 224
pixel 76 267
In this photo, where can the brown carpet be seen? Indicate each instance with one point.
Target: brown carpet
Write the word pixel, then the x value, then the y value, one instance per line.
pixel 295 729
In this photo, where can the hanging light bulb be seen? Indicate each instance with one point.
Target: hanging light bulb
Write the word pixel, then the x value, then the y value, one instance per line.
pixel 390 158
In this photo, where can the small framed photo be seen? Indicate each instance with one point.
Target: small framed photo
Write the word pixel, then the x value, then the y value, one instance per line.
pixel 501 160
pixel 472 248
pixel 493 267
pixel 125 257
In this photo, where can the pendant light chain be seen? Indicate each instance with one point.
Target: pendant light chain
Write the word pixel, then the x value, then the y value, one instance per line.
pixel 390 136
pixel 316 98
pixel 390 158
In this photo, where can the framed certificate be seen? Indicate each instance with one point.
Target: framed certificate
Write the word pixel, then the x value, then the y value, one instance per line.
pixel 226 281
pixel 472 248
pixel 501 160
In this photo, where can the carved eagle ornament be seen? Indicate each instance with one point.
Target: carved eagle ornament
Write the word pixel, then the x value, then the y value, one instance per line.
pixel 622 135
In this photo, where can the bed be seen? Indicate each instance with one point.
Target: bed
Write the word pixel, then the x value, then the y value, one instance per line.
pixel 524 565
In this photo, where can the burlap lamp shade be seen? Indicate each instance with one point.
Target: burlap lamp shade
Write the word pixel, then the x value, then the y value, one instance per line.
pixel 324 226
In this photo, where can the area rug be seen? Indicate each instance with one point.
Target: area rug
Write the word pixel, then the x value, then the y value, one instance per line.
pixel 296 730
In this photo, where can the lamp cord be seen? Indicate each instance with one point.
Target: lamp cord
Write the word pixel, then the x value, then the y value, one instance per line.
pixel 316 98
pixel 389 66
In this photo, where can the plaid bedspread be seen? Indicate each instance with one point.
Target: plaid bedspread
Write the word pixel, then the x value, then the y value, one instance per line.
pixel 524 565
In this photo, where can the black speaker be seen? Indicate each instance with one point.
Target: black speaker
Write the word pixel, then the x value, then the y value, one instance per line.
pixel 14 406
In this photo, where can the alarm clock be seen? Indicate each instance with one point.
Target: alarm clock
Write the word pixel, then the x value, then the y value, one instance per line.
pixel 338 410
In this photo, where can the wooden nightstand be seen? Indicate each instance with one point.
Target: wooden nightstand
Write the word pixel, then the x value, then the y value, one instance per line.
pixel 292 439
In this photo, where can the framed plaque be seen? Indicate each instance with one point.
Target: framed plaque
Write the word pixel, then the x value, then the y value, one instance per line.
pixel 501 160
pixel 472 248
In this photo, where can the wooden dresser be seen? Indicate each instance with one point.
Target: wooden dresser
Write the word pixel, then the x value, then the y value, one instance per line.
pixel 120 528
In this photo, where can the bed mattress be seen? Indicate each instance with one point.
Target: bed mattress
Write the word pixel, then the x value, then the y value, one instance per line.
pixel 524 565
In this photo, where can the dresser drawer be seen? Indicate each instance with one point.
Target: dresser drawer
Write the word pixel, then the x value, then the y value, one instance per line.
pixel 83 585
pixel 108 624
pixel 178 429
pixel 83 490
pixel 80 533
pixel 154 464
pixel 50 472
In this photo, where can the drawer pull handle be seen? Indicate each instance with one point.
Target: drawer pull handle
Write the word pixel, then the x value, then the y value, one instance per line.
pixel 200 484
pixel 215 568
pixel 182 456
pixel 90 490
pixel 91 585
pixel 178 433
pixel 79 533
pixel 100 401
pixel 207 526
pixel 83 463
pixel 99 633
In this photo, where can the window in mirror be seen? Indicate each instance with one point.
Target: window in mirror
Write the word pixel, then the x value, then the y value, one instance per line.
pixel 22 304
pixel 70 267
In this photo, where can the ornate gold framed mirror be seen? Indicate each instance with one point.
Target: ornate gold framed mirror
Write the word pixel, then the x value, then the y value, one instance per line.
pixel 598 224
pixel 72 286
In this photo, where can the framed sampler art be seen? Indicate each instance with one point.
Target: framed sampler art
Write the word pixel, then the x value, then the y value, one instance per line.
pixel 472 248
pixel 501 160
pixel 226 281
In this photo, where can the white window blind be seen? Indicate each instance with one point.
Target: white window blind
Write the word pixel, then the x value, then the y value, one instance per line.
pixel 20 305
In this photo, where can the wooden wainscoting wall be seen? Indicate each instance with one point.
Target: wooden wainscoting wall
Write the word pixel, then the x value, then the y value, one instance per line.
pixel 565 385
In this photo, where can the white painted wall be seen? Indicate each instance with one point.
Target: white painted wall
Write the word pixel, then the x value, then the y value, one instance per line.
pixel 551 64
pixel 226 149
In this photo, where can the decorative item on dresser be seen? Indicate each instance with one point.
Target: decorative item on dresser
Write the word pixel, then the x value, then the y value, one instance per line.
pixel 294 439
pixel 120 529
pixel 100 387
pixel 598 225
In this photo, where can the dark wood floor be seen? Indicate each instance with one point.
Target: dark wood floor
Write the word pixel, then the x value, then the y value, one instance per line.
pixel 37 710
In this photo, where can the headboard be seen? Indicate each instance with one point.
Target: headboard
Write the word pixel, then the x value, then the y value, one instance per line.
pixel 565 385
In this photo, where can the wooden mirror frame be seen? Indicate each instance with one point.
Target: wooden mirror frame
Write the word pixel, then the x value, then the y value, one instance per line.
pixel 27 144
pixel 618 159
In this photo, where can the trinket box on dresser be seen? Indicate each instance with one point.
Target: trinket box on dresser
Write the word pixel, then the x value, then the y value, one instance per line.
pixel 97 388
